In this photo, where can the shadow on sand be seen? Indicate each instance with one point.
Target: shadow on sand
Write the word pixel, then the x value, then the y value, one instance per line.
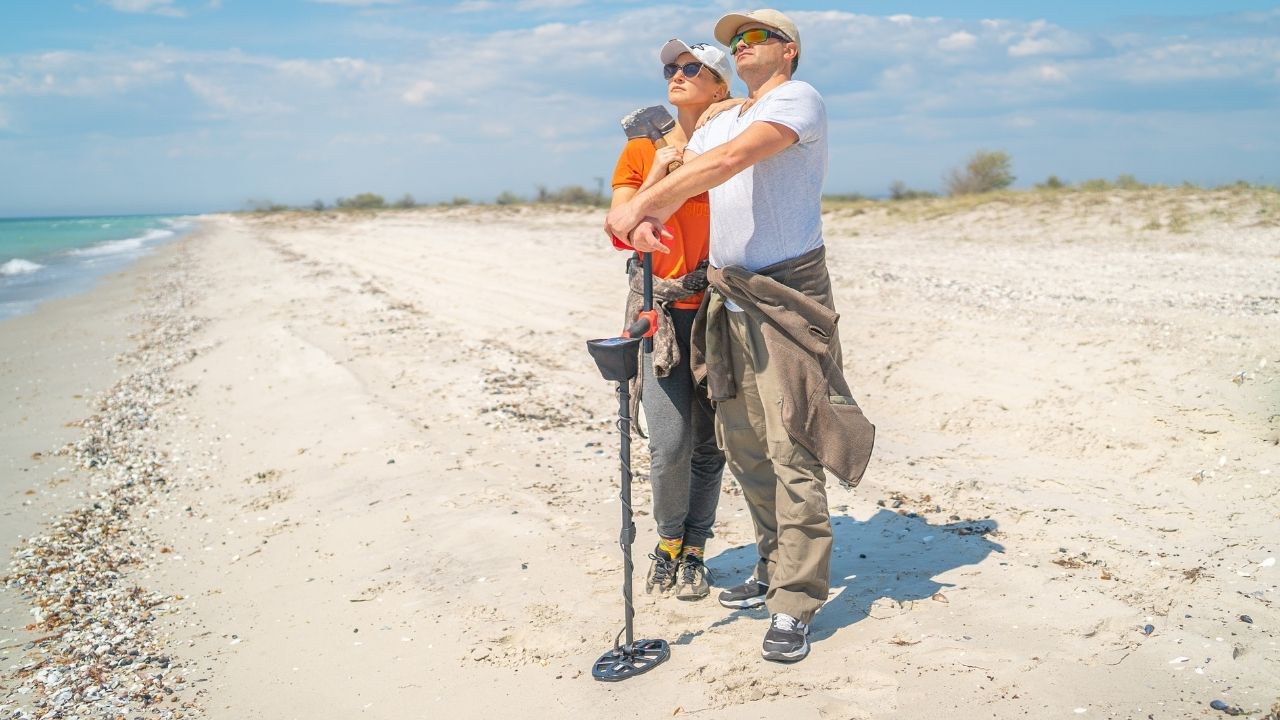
pixel 886 556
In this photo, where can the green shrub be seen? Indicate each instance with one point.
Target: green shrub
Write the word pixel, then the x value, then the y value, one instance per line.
pixel 406 202
pixel 1237 185
pixel 569 195
pixel 508 198
pixel 898 190
pixel 263 205
pixel 363 201
pixel 1128 182
pixel 1051 183
pixel 985 171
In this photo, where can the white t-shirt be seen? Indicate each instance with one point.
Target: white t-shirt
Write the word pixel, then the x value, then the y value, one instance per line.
pixel 772 211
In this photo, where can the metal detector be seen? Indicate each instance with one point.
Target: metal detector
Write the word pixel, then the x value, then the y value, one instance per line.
pixel 619 362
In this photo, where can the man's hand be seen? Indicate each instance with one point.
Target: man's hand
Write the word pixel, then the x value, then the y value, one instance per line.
pixel 622 219
pixel 642 232
pixel 647 237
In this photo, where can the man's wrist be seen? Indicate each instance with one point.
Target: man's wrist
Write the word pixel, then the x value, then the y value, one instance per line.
pixel 640 202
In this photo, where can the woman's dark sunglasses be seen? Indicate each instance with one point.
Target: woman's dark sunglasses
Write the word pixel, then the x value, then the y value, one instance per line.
pixel 755 37
pixel 690 70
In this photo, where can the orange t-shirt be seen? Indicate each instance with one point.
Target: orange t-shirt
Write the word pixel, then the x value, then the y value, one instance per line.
pixel 690 225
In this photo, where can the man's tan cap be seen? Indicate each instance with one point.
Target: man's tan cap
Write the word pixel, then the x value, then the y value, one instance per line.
pixel 728 25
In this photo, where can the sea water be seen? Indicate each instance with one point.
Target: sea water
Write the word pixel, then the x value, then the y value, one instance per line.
pixel 43 258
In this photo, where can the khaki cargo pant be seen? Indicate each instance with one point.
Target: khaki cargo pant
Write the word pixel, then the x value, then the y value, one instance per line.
pixel 783 483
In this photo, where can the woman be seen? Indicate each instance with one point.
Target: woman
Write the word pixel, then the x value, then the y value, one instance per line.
pixel 686 465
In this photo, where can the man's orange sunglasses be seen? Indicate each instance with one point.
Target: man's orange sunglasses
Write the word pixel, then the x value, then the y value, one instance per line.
pixel 755 37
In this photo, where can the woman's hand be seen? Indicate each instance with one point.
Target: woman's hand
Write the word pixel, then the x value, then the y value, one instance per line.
pixel 717 108
pixel 667 155
pixel 662 159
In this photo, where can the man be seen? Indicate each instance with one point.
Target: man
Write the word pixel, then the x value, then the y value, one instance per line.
pixel 773 363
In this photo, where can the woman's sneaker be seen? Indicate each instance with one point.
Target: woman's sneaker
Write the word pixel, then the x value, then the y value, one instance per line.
pixel 747 595
pixel 787 639
pixel 662 574
pixel 692 578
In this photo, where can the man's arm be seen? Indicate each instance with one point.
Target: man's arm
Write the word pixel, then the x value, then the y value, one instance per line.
pixel 698 174
pixel 667 211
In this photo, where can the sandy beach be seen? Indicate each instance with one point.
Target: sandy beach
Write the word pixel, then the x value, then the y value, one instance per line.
pixel 360 465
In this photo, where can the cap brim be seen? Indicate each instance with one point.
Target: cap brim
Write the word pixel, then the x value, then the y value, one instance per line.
pixel 728 25
pixel 672 50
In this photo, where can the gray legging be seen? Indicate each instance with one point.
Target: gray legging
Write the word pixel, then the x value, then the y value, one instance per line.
pixel 686 465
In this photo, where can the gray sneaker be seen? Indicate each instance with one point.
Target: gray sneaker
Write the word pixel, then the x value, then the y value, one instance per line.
pixel 747 595
pixel 692 578
pixel 787 639
pixel 662 574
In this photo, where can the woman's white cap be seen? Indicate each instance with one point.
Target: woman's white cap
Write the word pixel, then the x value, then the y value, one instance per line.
pixel 709 55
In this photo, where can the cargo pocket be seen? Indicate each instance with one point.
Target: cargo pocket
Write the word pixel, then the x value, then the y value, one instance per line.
pixel 732 429
pixel 784 450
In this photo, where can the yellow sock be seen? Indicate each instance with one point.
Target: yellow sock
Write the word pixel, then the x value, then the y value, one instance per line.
pixel 695 551
pixel 670 546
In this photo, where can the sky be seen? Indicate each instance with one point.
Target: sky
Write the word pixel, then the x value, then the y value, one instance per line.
pixel 136 106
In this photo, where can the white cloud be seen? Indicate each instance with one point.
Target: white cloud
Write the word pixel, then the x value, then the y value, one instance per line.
pixel 1041 38
pixel 959 40
pixel 211 92
pixel 538 64
pixel 1052 73
pixel 1032 46
pixel 899 76
pixel 227 81
pixel 356 3
pixel 332 72
pixel 418 93
pixel 862 64
pixel 154 7
pixel 217 96
pixel 494 129
pixel 1182 60
pixel 359 139
pixel 76 74
pixel 548 4
pixel 470 6
pixel 1127 40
